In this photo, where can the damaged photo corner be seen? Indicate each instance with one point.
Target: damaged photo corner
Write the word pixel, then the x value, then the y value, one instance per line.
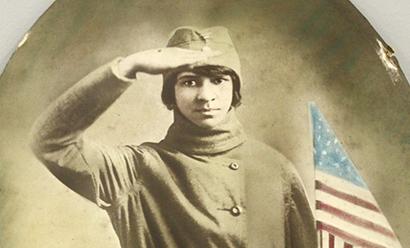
pixel 206 124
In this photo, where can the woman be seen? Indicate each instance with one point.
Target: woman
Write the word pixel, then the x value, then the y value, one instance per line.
pixel 205 184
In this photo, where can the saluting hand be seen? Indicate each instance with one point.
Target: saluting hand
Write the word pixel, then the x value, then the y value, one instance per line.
pixel 157 61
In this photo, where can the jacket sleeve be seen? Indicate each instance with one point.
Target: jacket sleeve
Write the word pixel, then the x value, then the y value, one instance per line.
pixel 299 220
pixel 96 172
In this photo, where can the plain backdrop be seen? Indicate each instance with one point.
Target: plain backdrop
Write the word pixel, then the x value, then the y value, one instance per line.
pixel 390 18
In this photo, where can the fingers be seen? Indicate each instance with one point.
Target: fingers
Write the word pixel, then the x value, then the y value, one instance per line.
pixel 156 61
pixel 199 54
pixel 187 56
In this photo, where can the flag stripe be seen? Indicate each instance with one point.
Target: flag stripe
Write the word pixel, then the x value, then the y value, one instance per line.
pixel 343 185
pixel 321 238
pixel 339 242
pixel 377 218
pixel 331 241
pixel 347 236
pixel 347 197
pixel 354 219
pixel 325 239
pixel 347 227
pixel 347 245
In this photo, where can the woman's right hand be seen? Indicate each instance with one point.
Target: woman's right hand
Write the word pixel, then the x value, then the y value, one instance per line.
pixel 157 61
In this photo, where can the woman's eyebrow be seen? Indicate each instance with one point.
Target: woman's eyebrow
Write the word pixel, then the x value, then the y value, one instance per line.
pixel 222 75
pixel 187 77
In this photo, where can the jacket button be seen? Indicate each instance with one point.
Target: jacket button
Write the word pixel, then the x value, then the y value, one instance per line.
pixel 234 166
pixel 236 210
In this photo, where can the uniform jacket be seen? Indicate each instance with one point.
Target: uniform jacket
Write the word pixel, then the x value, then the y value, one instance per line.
pixel 195 188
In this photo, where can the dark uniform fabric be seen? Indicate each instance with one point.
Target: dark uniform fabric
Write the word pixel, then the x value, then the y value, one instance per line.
pixel 196 188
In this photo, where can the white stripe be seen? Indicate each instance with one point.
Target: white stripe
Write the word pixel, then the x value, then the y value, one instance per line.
pixel 325 239
pixel 345 186
pixel 364 213
pixel 357 231
pixel 339 243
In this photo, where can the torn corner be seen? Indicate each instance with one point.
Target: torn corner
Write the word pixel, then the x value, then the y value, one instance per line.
pixel 386 55
pixel 23 41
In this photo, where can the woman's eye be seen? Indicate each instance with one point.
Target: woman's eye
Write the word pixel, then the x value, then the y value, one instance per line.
pixel 189 83
pixel 218 80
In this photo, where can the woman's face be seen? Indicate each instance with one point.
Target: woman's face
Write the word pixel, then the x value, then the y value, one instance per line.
pixel 203 100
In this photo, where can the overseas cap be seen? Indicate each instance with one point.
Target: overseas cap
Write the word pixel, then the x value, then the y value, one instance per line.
pixel 215 40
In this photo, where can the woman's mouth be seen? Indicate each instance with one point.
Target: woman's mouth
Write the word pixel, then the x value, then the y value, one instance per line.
pixel 207 111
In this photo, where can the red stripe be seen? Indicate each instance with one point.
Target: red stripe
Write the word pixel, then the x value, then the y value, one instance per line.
pixel 354 219
pixel 347 245
pixel 347 236
pixel 347 197
pixel 331 241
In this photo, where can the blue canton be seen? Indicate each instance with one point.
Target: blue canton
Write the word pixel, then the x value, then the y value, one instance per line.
pixel 329 155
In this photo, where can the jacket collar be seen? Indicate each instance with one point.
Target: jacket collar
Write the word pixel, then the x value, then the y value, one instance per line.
pixel 185 136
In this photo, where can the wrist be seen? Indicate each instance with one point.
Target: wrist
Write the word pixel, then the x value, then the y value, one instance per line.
pixel 125 69
pixel 121 72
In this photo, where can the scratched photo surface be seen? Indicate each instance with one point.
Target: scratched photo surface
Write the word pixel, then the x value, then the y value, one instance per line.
pixel 292 53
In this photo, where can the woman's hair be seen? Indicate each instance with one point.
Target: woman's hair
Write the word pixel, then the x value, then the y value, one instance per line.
pixel 168 87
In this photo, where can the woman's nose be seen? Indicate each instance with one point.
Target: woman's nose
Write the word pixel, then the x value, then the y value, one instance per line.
pixel 206 92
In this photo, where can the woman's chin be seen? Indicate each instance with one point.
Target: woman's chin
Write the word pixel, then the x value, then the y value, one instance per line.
pixel 208 123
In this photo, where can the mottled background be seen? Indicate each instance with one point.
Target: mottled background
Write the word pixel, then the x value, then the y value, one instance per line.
pixel 291 52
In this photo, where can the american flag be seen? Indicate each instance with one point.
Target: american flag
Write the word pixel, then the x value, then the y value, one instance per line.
pixel 347 214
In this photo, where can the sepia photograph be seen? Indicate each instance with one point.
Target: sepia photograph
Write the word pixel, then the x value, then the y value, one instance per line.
pixel 204 124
